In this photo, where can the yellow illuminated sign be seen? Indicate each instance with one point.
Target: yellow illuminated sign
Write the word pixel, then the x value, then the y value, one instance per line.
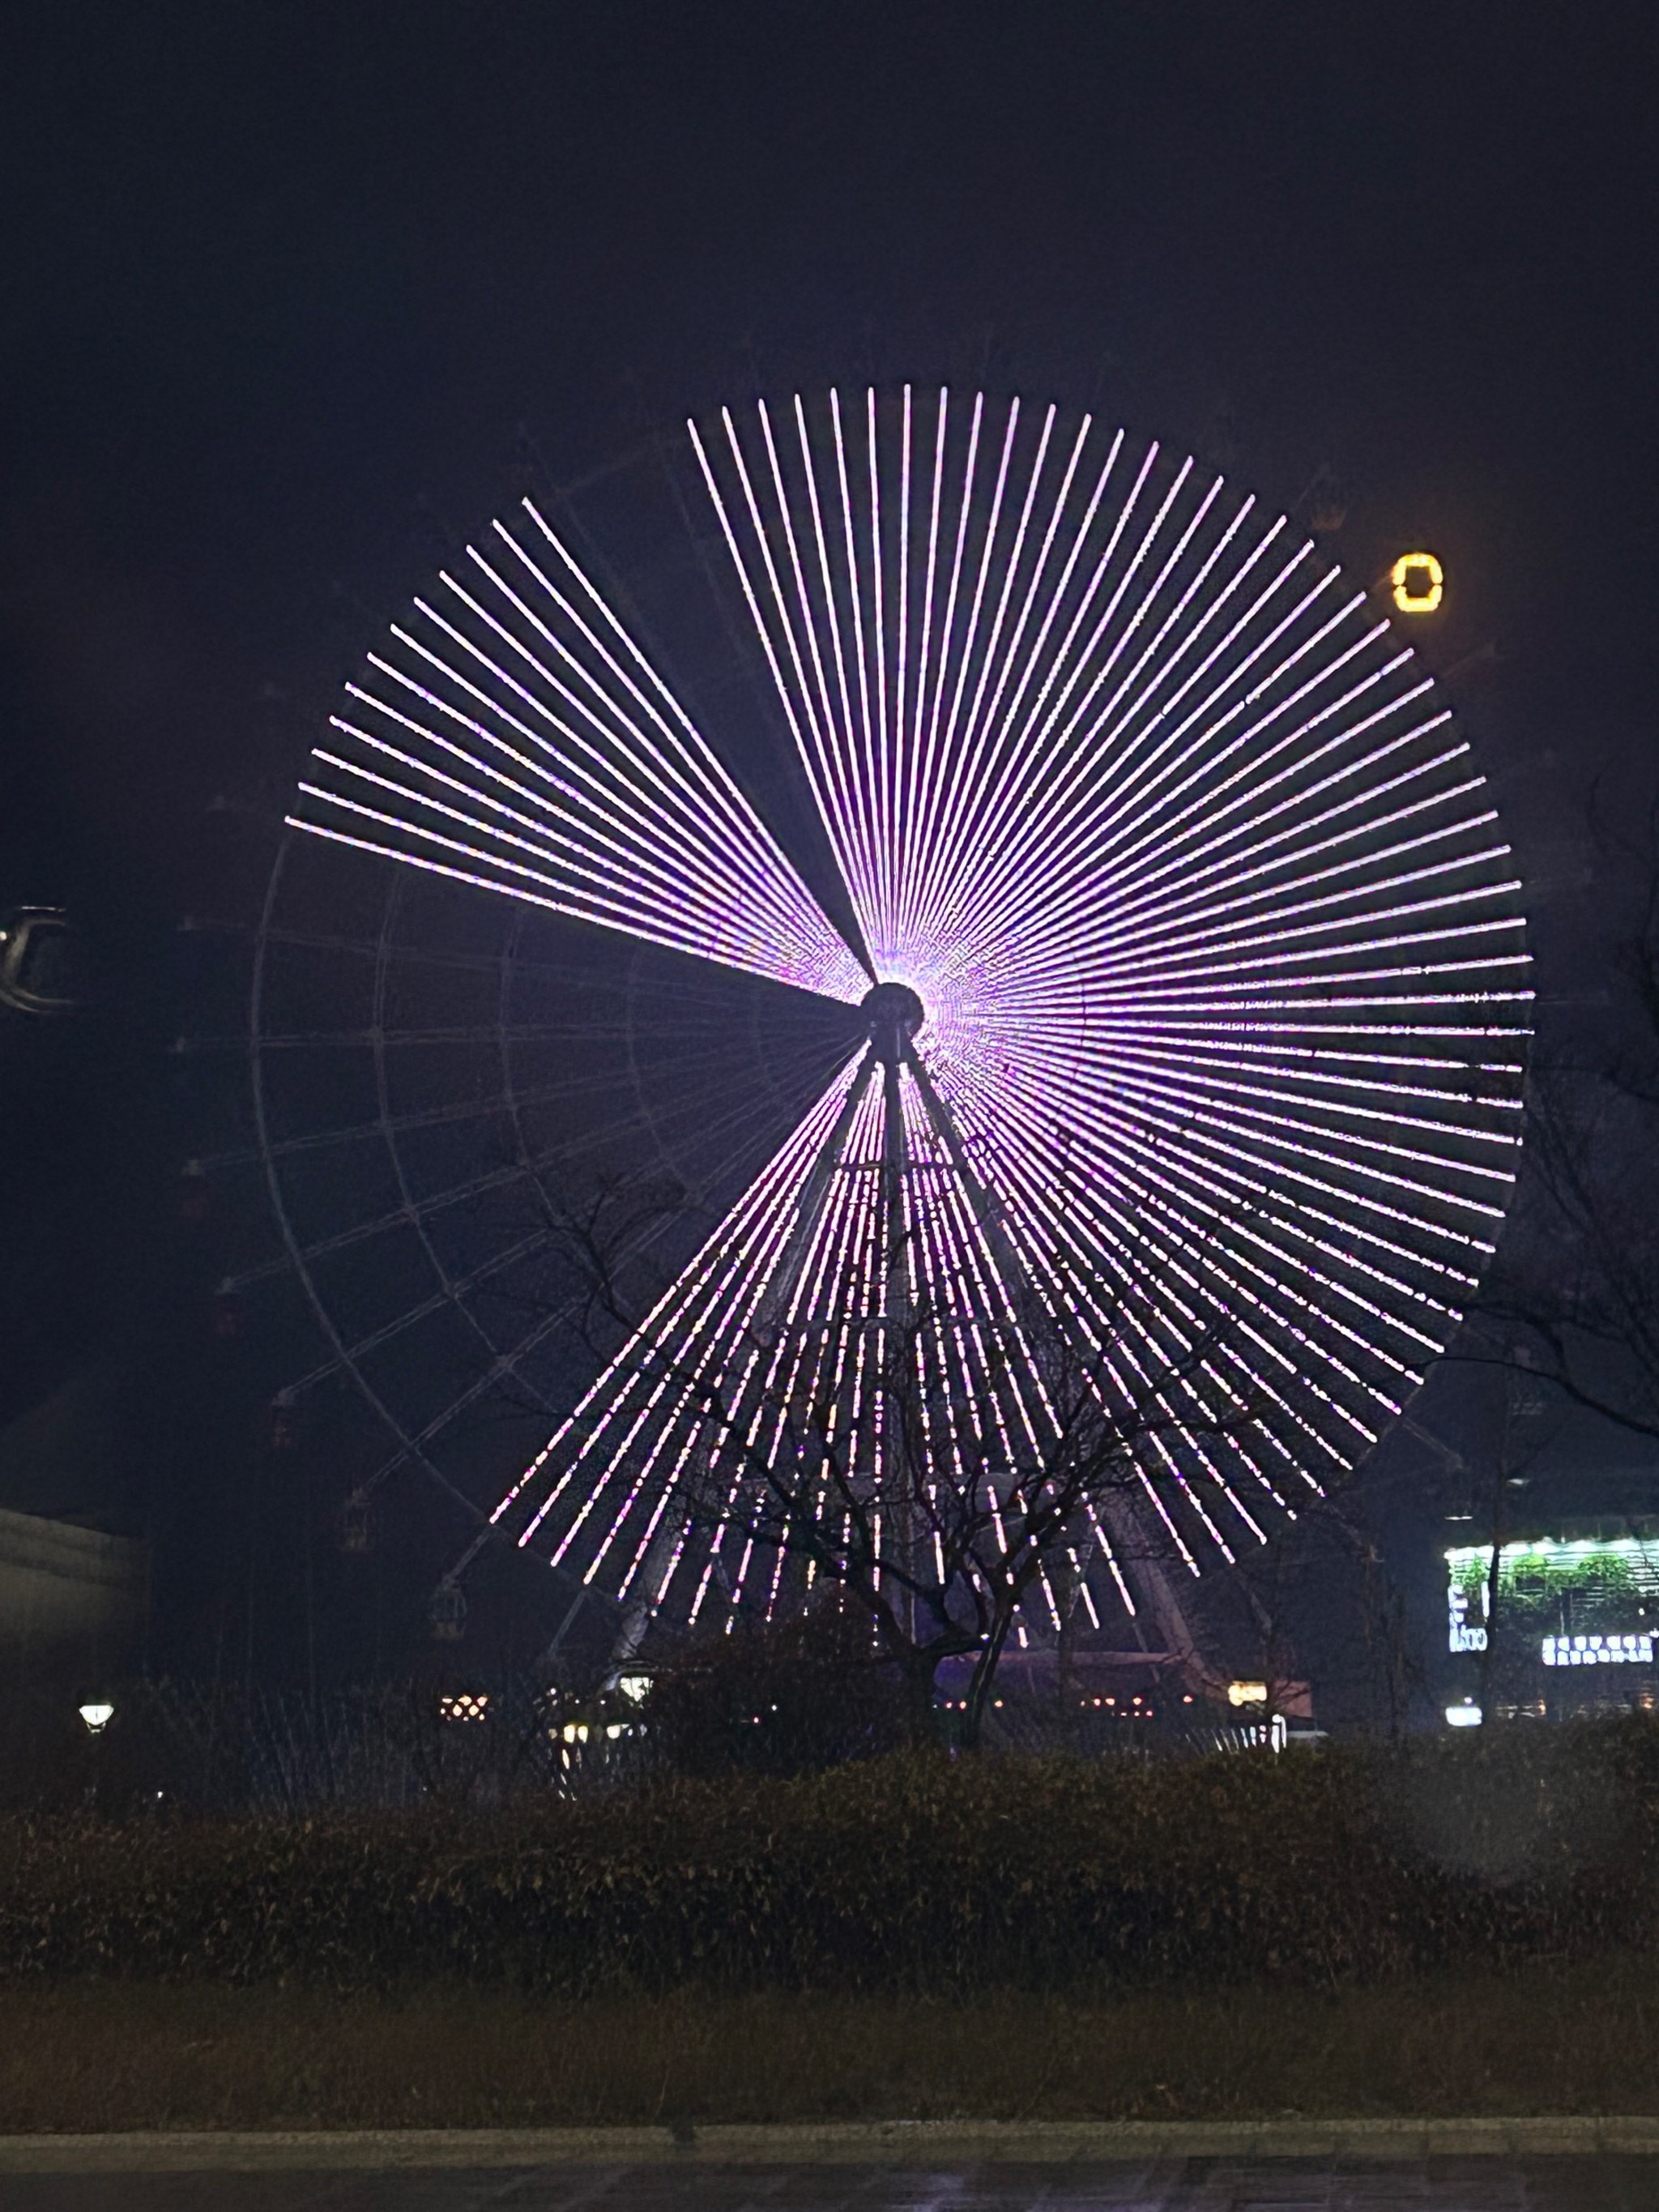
pixel 1246 1693
pixel 1418 582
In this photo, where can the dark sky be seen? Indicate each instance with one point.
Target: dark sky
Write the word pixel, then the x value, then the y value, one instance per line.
pixel 279 285
pixel 275 275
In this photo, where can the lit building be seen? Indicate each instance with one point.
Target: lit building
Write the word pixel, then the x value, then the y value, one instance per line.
pixel 1571 1621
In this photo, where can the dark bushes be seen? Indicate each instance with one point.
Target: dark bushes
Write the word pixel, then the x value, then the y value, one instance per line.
pixel 785 1698
pixel 898 1874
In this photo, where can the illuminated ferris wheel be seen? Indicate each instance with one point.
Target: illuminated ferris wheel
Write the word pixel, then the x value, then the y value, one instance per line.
pixel 1164 1000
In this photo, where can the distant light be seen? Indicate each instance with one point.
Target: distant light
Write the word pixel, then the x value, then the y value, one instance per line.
pixel 1619 1651
pixel 1460 1635
pixel 1418 582
pixel 634 1686
pixel 1246 1693
pixel 466 1707
pixel 1467 1715
pixel 97 1717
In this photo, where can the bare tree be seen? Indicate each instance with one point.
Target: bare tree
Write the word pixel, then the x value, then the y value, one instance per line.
pixel 1574 1299
pixel 941 1523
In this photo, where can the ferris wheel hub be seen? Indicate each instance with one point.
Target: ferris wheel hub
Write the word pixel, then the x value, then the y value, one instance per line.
pixel 892 1013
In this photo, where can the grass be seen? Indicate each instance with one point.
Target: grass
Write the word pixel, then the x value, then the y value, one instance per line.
pixel 96 2055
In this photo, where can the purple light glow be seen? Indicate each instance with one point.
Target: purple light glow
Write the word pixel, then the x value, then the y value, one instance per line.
pixel 1217 945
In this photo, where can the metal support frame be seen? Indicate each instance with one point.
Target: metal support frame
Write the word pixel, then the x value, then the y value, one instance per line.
pixel 893 1015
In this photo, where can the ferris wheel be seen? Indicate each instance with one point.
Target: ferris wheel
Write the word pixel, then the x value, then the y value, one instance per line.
pixel 1143 973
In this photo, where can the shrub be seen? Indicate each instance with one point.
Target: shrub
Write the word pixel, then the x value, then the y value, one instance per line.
pixel 902 1874
pixel 789 1697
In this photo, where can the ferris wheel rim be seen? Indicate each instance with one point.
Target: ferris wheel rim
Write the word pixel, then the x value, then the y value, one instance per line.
pixel 410 1445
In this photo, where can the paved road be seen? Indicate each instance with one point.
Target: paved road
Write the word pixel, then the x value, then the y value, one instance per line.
pixel 1607 2183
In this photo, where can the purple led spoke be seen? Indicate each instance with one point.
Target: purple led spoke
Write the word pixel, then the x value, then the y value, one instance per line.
pixel 633 822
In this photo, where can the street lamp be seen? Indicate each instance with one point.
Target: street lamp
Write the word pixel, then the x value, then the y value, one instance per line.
pixel 97 1716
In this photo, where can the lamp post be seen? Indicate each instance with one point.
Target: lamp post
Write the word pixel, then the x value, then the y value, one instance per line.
pixel 97 1716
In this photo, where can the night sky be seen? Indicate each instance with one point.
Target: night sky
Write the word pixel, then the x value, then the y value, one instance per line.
pixel 288 290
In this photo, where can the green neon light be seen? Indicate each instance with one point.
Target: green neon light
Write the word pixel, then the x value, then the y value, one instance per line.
pixel 1643 1550
pixel 1535 1574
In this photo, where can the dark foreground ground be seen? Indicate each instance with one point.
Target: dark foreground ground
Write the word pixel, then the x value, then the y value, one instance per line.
pixel 1565 2184
pixel 92 2056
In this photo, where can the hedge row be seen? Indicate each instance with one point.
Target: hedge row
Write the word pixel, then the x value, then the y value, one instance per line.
pixel 907 1875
